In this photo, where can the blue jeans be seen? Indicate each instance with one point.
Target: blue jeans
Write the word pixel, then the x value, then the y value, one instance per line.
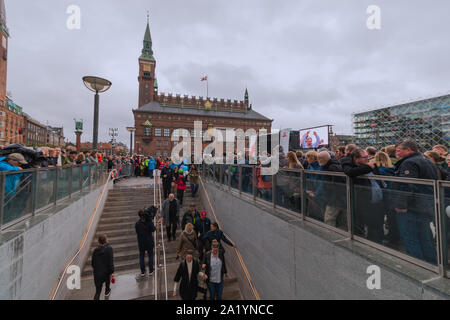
pixel 415 232
pixel 215 290
pixel 142 260
pixel 150 173
pixel 194 189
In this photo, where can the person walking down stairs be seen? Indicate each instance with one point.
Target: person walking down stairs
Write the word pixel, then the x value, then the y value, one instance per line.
pixel 144 231
pixel 103 266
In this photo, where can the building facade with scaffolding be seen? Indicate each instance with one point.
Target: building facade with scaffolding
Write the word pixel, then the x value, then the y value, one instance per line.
pixel 425 121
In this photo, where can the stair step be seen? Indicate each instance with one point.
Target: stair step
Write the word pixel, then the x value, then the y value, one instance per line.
pixel 118 267
pixel 104 227
pixel 121 256
pixel 116 233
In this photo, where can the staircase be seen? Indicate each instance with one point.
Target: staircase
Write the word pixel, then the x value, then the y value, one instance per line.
pixel 119 217
pixel 231 289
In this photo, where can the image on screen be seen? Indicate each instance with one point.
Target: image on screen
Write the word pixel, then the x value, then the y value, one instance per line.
pixel 314 138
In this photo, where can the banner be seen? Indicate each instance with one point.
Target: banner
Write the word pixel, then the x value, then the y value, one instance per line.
pixel 284 139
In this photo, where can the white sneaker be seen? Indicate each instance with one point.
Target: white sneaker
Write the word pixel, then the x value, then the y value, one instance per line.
pixel 140 276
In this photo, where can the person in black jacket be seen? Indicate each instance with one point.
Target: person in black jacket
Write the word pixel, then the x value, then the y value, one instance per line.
pixel 167 178
pixel 414 206
pixel 369 208
pixel 144 231
pixel 215 269
pixel 103 266
pixel 202 226
pixel 187 273
pixel 335 189
pixel 216 234
pixel 190 216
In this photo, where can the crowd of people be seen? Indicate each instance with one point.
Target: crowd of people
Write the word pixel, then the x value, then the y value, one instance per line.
pixel 397 213
pixel 389 212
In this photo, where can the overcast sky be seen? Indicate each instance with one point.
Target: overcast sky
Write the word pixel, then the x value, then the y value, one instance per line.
pixel 305 62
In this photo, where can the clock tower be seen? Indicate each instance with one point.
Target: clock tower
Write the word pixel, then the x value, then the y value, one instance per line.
pixel 147 64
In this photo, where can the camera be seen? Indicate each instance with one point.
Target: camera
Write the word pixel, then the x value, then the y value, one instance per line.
pixel 148 213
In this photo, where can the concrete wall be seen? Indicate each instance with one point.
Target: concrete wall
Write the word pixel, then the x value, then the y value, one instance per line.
pixel 292 259
pixel 37 251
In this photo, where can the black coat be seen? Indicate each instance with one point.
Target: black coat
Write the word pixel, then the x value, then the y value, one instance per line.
pixel 202 226
pixel 334 187
pixel 144 232
pixel 103 262
pixel 414 197
pixel 353 170
pixel 207 262
pixel 188 289
pixel 169 172
pixel 188 217
pixel 216 235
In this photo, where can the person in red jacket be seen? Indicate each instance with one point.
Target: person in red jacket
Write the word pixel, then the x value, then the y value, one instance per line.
pixel 180 181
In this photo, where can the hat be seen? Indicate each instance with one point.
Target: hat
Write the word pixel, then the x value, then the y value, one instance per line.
pixel 214 244
pixel 203 214
pixel 191 252
pixel 17 157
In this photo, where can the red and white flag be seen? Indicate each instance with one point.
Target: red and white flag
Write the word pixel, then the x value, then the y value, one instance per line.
pixel 204 78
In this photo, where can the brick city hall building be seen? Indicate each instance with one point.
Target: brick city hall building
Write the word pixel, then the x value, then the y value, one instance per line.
pixel 158 114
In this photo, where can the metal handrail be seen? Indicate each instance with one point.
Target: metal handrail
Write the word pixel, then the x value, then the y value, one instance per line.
pixel 351 186
pixel 99 168
pixel 82 243
pixel 163 245
pixel 156 264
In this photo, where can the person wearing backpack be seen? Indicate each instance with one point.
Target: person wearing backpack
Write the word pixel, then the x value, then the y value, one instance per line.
pixel 180 182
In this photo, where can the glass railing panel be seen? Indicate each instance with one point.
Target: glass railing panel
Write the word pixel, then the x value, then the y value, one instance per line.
pixel 398 215
pixel 63 182
pixel 326 198
pixel 247 179
pixel 45 193
pixel 76 176
pixel 18 201
pixel 288 190
pixel 234 176
pixel 263 186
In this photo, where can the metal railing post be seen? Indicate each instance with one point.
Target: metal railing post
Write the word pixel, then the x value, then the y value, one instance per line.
pixel 80 179
pixel 350 206
pixel 70 181
pixel 440 230
pixel 274 190
pixel 35 179
pixel 240 178
pixel 90 176
pixel 2 198
pixel 302 193
pixel 254 183
pixel 55 185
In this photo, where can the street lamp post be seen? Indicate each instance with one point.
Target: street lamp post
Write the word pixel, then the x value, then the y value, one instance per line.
pixel 131 130
pixel 96 85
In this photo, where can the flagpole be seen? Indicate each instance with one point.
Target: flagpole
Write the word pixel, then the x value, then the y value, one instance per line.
pixel 207 87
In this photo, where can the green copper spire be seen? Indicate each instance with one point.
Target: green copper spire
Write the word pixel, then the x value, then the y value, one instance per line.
pixel 155 85
pixel 147 52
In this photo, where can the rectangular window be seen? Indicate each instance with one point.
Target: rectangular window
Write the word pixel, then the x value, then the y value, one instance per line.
pixel 166 132
pixel 158 143
pixel 166 143
pixel 147 131
pixel 158 132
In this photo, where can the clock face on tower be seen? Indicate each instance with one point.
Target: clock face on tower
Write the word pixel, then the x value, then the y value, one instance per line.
pixel 147 68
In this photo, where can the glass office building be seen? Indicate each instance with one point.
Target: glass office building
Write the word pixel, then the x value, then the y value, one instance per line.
pixel 426 121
